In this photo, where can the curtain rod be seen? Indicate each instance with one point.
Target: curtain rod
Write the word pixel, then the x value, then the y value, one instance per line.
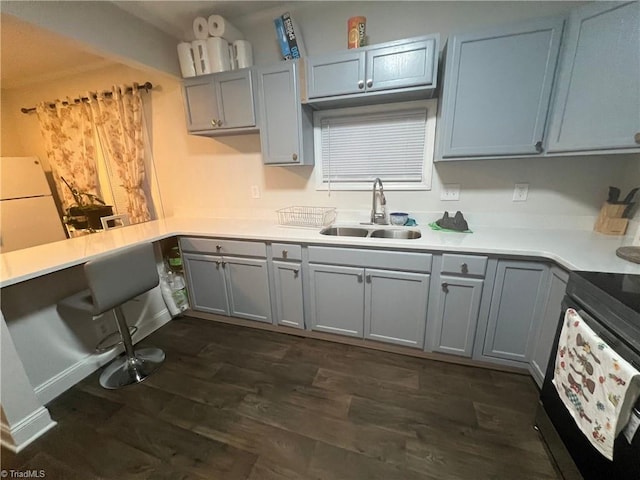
pixel 146 86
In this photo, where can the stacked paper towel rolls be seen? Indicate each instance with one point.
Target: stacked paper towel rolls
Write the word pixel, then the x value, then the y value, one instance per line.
pixel 220 27
pixel 200 28
pixel 242 54
pixel 201 57
pixel 185 57
pixel 218 51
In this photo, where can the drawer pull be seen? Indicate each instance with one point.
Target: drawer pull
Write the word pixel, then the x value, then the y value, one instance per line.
pixel 295 273
pixel 359 278
pixel 370 83
pixel 218 247
pixel 218 263
pixel 464 268
pixel 284 253
pixel 368 278
pixel 361 84
pixel 224 264
pixel 445 287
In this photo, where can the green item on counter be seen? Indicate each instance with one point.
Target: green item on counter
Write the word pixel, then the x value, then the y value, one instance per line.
pixel 435 226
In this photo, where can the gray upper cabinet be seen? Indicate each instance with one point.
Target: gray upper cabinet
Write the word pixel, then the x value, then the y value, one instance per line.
pixel 517 304
pixel 497 89
pixel 597 102
pixel 405 68
pixel 220 103
pixel 286 126
pixel 396 307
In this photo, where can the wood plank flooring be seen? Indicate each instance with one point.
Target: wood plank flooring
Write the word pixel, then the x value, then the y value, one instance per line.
pixel 235 403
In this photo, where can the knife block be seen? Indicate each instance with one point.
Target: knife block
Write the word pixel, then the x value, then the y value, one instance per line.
pixel 610 221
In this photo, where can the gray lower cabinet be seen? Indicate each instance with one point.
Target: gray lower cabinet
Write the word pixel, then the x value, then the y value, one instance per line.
pixel 457 315
pixel 517 305
pixel 220 103
pixel 286 126
pixel 206 283
pixel 248 288
pixel 549 324
pixel 337 299
pixel 597 100
pixel 395 307
pixel 288 294
pixel 497 89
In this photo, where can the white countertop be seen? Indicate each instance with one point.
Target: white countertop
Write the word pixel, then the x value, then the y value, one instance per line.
pixel 571 249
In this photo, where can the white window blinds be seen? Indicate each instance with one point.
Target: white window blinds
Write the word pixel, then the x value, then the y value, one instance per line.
pixel 359 148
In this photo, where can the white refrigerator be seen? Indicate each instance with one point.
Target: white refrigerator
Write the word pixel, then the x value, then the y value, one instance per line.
pixel 28 214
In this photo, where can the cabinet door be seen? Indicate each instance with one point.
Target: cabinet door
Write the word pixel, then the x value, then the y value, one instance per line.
pixel 597 104
pixel 396 307
pixel 337 299
pixel 235 99
pixel 200 103
pixel 401 66
pixel 336 74
pixel 280 136
pixel 516 308
pixel 497 89
pixel 206 283
pixel 248 282
pixel 288 290
pixel 549 324
pixel 457 317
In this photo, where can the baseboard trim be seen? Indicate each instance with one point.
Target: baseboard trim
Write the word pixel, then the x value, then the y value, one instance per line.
pixel 26 430
pixel 50 389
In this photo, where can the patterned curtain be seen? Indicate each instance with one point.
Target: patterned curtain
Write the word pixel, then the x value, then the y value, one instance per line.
pixel 119 123
pixel 69 140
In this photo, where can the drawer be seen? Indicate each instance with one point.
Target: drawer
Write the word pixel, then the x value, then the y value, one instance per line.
pixel 286 251
pixel 223 247
pixel 464 264
pixel 414 262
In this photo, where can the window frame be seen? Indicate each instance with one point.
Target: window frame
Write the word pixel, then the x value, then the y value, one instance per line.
pixel 431 107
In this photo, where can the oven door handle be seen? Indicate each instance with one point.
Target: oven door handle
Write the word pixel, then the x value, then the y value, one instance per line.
pixel 609 340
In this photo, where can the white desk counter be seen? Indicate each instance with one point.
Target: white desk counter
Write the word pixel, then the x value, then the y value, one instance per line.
pixel 571 249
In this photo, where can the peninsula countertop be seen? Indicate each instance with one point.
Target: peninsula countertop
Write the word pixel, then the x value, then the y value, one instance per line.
pixel 572 249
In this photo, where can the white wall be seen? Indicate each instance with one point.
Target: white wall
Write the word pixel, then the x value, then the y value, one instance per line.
pixel 207 176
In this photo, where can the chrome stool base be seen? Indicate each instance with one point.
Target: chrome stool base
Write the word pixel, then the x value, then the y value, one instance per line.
pixel 126 370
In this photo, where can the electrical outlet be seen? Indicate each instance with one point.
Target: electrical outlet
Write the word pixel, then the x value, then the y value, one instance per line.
pixel 450 192
pixel 520 192
pixel 255 191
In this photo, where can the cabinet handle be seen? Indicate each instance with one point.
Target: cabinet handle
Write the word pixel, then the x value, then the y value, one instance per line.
pixel 464 268
pixel 361 84
pixel 359 278
pixel 370 82
pixel 294 157
pixel 284 253
pixel 368 278
pixel 224 264
pixel 636 137
pixel 218 247
pixel 295 273
pixel 445 287
pixel 217 263
pixel 539 148
pixel 219 123
pixel 214 122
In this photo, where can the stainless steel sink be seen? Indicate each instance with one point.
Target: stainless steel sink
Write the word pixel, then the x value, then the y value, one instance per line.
pixel 399 234
pixel 345 231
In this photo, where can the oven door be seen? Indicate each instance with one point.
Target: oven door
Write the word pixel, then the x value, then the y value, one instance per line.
pixel 590 463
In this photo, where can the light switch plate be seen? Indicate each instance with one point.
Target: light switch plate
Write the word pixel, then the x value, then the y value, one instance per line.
pixel 520 192
pixel 255 191
pixel 450 192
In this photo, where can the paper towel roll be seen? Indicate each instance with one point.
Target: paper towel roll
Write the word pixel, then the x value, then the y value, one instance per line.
pixel 185 57
pixel 243 53
pixel 219 27
pixel 200 57
pixel 232 57
pixel 218 50
pixel 200 28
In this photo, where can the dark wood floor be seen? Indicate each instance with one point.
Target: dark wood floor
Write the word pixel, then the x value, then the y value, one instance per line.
pixel 237 403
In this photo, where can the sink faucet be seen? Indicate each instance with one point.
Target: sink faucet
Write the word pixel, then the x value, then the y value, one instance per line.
pixel 378 217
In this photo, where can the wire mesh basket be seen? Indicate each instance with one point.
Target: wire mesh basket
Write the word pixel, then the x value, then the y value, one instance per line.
pixel 306 216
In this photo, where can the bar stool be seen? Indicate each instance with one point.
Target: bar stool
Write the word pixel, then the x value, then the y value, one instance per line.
pixel 113 280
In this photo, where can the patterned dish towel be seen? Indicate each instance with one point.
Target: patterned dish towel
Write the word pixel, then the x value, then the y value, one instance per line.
pixel 597 386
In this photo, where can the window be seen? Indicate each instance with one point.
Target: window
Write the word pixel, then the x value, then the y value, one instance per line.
pixel 355 145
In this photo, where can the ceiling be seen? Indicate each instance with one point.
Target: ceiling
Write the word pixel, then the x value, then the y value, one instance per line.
pixel 29 54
